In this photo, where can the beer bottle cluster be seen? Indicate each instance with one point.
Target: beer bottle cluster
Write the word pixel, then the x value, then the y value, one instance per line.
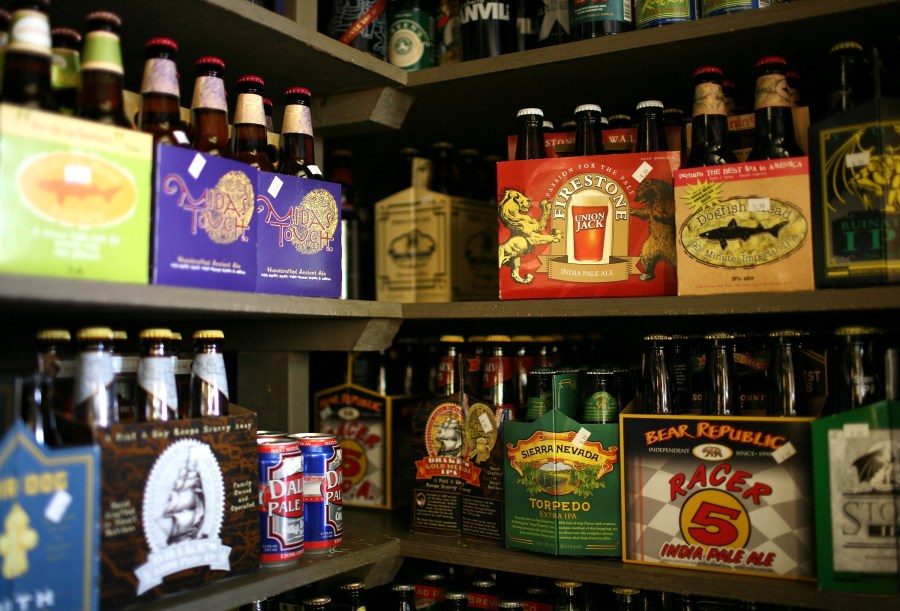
pixel 91 379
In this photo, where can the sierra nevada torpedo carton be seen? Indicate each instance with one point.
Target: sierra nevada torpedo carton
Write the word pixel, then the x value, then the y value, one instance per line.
pixel 718 493
pixel 744 227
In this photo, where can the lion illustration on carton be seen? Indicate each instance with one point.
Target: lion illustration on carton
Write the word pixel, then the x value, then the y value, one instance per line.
pixel 525 231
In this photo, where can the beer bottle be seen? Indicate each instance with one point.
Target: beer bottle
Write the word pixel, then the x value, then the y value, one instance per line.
pixel 403 597
pixel 553 23
pixel 567 595
pixel 787 386
pixel 5 18
pixel 530 143
pixel 94 397
pixel 628 599
pixel 793 81
pixel 160 112
pixel 248 138
pixel 595 19
pixel 474 361
pixel 651 135
pixel 65 70
pixel 298 157
pixel 673 124
pixel 101 96
pixel 430 590
pixel 444 172
pixel 720 393
pixel 27 56
pixel 157 395
pixel 273 151
pixel 125 366
pixel 588 133
pixel 709 144
pixel 472 181
pixel 522 362
pixel 456 601
pixel 846 61
pixel 352 596
pixel 181 366
pixel 209 109
pixel 658 377
pixel 361 24
pixel 857 372
pixel 729 93
pixel 411 33
pixel 353 236
pixel 774 133
pixel 209 384
pixel 602 397
pixel 497 377
pixel 540 392
pixel 487 27
pixel 448 382
pixel 46 397
pixel 317 603
pixel 526 15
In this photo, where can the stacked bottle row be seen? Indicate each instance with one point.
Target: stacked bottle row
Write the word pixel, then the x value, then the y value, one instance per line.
pixel 96 382
pixel 414 34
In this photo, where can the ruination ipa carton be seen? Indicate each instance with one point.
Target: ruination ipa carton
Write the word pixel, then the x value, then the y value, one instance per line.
pixel 562 481
pixel 857 480
pixel 600 226
pixel 744 227
pixel 719 494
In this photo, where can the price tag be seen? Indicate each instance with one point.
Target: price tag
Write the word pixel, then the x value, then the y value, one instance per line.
pixel 485 421
pixel 758 204
pixel 275 186
pixel 856 430
pixel 56 508
pixel 582 436
pixel 857 160
pixel 77 175
pixel 641 173
pixel 784 452
pixel 314 169
pixel 197 165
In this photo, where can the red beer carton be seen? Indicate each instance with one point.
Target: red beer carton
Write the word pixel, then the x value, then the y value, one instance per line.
pixel 599 226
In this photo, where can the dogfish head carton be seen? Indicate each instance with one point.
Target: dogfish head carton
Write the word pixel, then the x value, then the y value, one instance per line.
pixel 601 226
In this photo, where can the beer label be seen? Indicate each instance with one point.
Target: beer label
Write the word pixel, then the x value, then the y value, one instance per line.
pixel 587 11
pixel 709 100
pixel 497 370
pixel 102 51
pixel 95 374
pixel 29 32
pixel 209 92
pixel 65 69
pixel 155 376
pixel 211 369
pixel 772 90
pixel 481 10
pixel 711 8
pixel 297 120
pixel 249 109
pixel 411 40
pixel 601 407
pixel 655 12
pixel 160 76
pixel 553 15
pixel 352 19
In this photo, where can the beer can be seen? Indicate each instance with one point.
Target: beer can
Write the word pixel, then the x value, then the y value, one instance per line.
pixel 281 505
pixel 651 13
pixel 712 8
pixel 323 482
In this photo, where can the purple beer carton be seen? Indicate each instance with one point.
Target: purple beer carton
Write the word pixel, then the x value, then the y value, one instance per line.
pixel 204 235
pixel 298 236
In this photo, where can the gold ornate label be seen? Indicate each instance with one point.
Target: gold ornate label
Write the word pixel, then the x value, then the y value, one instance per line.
pixel 709 100
pixel 772 90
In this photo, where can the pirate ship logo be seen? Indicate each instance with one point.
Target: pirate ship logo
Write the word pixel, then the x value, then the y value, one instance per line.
pixel 878 468
pixel 184 504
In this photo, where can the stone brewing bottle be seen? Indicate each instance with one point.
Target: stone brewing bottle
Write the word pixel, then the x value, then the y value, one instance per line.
pixel 720 392
pixel 774 133
pixel 297 142
pixel 94 396
pixel 530 143
pixel 658 395
pixel 101 97
pixel 160 112
pixel 249 143
pixel 209 109
pixel 588 133
pixel 709 125
pixel 27 55
pixel 787 386
pixel 209 384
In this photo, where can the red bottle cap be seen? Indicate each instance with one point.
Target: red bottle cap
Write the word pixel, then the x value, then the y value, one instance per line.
pixel 771 60
pixel 209 59
pixel 162 42
pixel 297 91
pixel 708 70
pixel 251 78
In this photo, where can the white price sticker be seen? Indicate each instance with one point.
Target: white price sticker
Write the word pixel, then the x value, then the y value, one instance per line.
pixel 856 430
pixel 759 204
pixel 275 186
pixel 643 170
pixel 486 425
pixel 581 436
pixel 56 508
pixel 857 160
pixel 197 165
pixel 74 174
pixel 784 452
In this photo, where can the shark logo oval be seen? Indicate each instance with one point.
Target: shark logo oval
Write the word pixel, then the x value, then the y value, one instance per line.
pixel 76 189
pixel 743 232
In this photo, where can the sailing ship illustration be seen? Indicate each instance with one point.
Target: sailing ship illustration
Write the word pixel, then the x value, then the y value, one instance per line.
pixel 185 507
pixel 449 436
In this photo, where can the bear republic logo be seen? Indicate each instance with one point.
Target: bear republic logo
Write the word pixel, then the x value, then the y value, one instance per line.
pixel 223 212
pixel 715 432
pixel 561 463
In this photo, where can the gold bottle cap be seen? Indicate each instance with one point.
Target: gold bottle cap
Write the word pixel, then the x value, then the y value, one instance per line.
pixel 857 330
pixel 566 583
pixel 209 334
pixel 452 339
pixel 156 333
pixel 476 339
pixel 497 338
pixel 719 335
pixel 120 336
pixel 544 339
pixel 176 336
pixel 845 45
pixel 657 338
pixel 522 338
pixel 626 591
pixel 786 333
pixel 93 333
pixel 53 334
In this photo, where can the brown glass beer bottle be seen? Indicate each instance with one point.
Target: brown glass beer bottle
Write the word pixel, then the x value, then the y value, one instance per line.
pixel 26 67
pixel 101 97
pixel 157 395
pixel 530 143
pixel 209 384
pixel 709 144
pixel 774 132
pixel 65 71
pixel 297 142
pixel 160 113
pixel 651 135
pixel 248 139
pixel 94 397
pixel 588 132
pixel 209 109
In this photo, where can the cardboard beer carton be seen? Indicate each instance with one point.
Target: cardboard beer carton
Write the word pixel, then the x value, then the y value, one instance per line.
pixel 857 494
pixel 375 440
pixel 74 197
pixel 50 508
pixel 204 230
pixel 600 226
pixel 433 247
pixel 744 227
pixel 856 195
pixel 298 236
pixel 719 494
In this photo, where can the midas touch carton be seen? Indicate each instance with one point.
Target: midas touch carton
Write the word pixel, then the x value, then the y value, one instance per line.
pixel 599 226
